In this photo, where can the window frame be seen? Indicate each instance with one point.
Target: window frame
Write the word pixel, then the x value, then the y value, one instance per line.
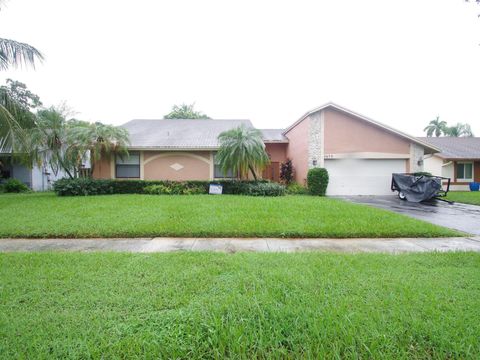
pixel 127 165
pixel 215 164
pixel 463 179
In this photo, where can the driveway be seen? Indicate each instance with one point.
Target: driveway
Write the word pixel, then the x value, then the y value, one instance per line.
pixel 456 216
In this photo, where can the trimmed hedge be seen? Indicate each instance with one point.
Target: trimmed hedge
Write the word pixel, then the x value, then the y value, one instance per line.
pixel 317 181
pixel 86 186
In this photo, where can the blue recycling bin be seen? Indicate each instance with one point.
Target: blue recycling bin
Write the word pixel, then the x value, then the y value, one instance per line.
pixel 474 186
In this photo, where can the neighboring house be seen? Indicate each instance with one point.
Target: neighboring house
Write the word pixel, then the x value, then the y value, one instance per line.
pixel 458 160
pixel 359 153
pixel 37 178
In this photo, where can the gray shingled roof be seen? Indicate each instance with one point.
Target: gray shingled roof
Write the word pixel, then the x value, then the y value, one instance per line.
pixel 273 135
pixel 179 133
pixel 456 147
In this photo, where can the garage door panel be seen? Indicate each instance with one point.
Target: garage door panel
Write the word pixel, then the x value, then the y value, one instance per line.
pixel 362 176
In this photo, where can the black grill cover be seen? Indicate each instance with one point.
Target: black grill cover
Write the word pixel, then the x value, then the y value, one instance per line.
pixel 417 188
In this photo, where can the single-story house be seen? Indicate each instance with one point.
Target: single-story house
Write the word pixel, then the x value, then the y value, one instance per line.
pixel 38 178
pixel 359 153
pixel 459 160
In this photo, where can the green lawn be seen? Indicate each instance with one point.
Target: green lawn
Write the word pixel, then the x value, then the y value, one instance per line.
pixel 245 305
pixel 46 215
pixel 467 197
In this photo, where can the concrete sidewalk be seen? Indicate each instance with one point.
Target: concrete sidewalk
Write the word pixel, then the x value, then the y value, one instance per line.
pixel 397 245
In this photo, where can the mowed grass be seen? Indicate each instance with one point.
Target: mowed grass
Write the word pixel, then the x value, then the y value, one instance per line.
pixel 46 215
pixel 244 305
pixel 466 197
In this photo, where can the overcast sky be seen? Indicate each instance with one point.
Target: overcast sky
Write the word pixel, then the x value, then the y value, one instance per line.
pixel 398 62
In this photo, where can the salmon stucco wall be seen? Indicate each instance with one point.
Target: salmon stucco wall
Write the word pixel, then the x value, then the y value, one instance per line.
pixel 177 166
pixel 276 152
pixel 345 134
pixel 102 169
pixel 297 150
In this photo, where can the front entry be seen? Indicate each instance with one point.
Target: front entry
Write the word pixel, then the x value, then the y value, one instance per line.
pixel 272 172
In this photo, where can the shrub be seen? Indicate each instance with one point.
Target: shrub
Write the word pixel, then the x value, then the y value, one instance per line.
pixel 174 189
pixel 85 186
pixel 265 189
pixel 317 181
pixel 422 173
pixel 286 172
pixel 82 187
pixel 15 186
pixel 296 189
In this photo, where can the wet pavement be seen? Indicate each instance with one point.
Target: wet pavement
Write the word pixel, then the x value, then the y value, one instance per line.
pixel 456 216
pixel 229 245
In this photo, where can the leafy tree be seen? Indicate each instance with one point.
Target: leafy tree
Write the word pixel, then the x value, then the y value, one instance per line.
pixel 17 92
pixel 242 149
pixel 459 130
pixel 185 111
pixel 436 127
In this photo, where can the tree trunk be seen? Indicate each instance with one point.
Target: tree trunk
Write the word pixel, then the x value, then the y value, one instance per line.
pixel 253 172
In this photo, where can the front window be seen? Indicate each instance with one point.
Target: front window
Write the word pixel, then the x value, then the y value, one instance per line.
pixel 465 171
pixel 217 170
pixel 128 167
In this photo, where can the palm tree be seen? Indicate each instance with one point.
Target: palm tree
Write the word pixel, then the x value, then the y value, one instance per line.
pixel 459 130
pixel 13 53
pixel 436 127
pixel 98 140
pixel 242 149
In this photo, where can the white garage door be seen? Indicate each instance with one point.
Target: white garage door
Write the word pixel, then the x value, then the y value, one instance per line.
pixel 362 176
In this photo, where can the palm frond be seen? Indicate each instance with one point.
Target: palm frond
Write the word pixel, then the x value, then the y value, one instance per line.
pixel 14 53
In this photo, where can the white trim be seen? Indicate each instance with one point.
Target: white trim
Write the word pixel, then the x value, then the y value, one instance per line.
pixel 462 179
pixel 142 164
pixel 362 117
pixel 212 166
pixel 167 154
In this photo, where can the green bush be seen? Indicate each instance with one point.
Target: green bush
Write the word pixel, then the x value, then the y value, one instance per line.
pixel 296 189
pixel 422 173
pixel 85 186
pixel 174 189
pixel 266 189
pixel 15 186
pixel 317 181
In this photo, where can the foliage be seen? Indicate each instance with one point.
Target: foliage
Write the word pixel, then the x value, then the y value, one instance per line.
pixel 18 93
pixel 133 215
pixel 436 127
pixel 422 173
pixel 15 186
pixel 317 181
pixel 16 116
pixel 174 189
pixel 286 172
pixel 439 128
pixel 185 111
pixel 266 189
pixel 459 130
pixel 14 53
pixel 295 188
pixel 67 144
pixel 242 150
pixel 80 186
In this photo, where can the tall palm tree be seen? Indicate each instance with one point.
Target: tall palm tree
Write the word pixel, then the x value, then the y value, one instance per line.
pixel 13 53
pixel 459 130
pixel 242 149
pixel 436 127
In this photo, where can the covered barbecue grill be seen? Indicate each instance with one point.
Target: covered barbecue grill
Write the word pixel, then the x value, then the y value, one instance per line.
pixel 416 187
